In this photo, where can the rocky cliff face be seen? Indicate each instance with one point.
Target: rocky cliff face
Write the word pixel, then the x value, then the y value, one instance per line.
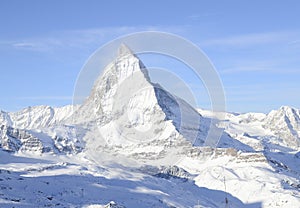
pixel 15 139
pixel 58 140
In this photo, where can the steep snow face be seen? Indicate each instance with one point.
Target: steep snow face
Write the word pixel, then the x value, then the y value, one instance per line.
pixel 5 119
pixel 191 125
pixel 285 123
pixel 129 110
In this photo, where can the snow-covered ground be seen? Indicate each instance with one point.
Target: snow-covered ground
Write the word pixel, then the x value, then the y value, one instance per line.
pixel 49 181
pixel 208 179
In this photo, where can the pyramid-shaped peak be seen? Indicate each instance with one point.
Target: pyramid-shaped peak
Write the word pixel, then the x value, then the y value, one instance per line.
pixel 124 50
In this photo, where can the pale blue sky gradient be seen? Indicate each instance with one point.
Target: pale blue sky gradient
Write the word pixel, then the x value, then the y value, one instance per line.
pixel 254 45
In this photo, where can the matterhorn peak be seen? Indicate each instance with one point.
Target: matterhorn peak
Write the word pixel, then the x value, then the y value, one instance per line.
pixel 124 50
pixel 127 109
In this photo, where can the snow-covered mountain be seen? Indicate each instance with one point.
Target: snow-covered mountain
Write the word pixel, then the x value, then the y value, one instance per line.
pixel 133 144
pixel 285 124
pixel 282 125
pixel 37 117
pixel 124 100
pixel 39 129
pixel 128 114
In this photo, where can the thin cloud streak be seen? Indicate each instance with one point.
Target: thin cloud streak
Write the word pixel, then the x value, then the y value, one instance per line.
pixel 255 69
pixel 267 66
pixel 80 38
pixel 253 39
pixel 45 98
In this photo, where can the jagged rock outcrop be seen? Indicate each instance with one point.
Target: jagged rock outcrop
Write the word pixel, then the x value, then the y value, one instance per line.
pixel 59 140
pixel 12 139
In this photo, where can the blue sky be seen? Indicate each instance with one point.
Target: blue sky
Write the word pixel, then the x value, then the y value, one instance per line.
pixel 254 45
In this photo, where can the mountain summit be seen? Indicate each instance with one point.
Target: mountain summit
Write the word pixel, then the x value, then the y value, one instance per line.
pixel 124 50
pixel 127 109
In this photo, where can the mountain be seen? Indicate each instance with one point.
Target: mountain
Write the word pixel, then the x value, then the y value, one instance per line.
pixel 125 109
pixel 36 117
pixel 39 129
pixel 115 115
pixel 282 126
pixel 285 124
pixel 133 144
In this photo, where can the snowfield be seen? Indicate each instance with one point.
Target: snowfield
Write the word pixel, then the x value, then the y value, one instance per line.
pixel 132 144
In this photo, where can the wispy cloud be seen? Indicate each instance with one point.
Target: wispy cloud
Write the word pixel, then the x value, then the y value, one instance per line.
pixel 253 39
pixel 26 45
pixel 245 69
pixel 260 69
pixel 274 66
pixel 84 38
pixel 45 98
pixel 296 42
pixel 196 17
